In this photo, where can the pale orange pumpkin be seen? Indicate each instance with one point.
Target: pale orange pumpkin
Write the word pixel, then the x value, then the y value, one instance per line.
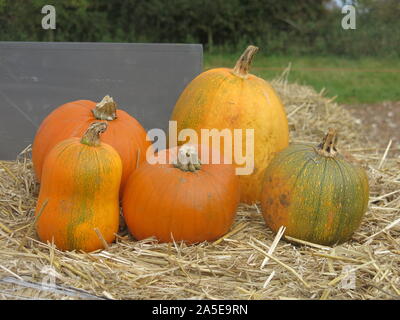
pixel 235 99
pixel 79 193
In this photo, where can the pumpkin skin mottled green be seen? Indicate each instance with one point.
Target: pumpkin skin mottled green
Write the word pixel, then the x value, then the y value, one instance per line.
pixel 317 198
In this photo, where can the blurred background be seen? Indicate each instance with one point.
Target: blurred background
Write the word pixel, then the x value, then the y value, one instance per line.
pixel 358 66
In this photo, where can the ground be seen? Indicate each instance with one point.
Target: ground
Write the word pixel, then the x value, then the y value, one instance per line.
pixel 382 121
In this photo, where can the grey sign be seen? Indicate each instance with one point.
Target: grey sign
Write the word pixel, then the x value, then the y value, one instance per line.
pixel 35 78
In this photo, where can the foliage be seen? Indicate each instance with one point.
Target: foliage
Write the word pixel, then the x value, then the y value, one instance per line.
pixel 285 26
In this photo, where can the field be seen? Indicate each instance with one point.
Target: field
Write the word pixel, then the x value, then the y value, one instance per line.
pixel 364 80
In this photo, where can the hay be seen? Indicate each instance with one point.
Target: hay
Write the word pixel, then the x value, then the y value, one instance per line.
pixel 250 262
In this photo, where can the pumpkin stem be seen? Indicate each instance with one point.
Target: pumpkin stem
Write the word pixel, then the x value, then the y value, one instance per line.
pixel 242 66
pixel 328 146
pixel 106 109
pixel 187 159
pixel 92 134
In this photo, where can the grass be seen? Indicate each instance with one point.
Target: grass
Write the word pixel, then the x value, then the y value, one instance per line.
pixel 353 81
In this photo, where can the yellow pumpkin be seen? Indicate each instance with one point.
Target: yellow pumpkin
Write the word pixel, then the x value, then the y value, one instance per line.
pixel 225 98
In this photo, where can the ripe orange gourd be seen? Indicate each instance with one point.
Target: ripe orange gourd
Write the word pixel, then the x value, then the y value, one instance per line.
pixel 315 193
pixel 79 193
pixel 234 99
pixel 187 201
pixel 124 132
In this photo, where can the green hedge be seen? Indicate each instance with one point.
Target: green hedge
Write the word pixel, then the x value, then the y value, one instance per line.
pixel 284 26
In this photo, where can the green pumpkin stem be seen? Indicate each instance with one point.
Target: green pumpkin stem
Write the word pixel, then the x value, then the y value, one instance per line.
pixel 92 134
pixel 328 146
pixel 106 109
pixel 242 66
pixel 187 159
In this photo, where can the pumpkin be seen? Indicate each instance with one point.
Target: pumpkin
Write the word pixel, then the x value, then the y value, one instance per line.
pixel 79 193
pixel 225 98
pixel 315 193
pixel 124 132
pixel 181 200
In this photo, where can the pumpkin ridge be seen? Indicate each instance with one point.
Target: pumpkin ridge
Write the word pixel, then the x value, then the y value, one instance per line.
pixel 165 197
pixel 146 172
pixel 345 192
pixel 171 221
pixel 134 132
pixel 320 196
pixel 299 174
pixel 66 147
pixel 351 172
pixel 134 144
pixel 347 174
pixel 275 166
pixel 182 122
pixel 210 174
pixel 209 115
pixel 352 177
pixel 85 106
pixel 342 196
pixel 280 113
pixel 189 198
pixel 217 193
pixel 359 176
pixel 303 168
pixel 287 155
pixel 84 213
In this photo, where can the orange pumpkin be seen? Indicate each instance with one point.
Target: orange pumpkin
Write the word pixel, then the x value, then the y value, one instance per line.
pixel 79 193
pixel 124 132
pixel 234 99
pixel 185 201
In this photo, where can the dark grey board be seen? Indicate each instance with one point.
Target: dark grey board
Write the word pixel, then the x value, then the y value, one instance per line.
pixel 36 77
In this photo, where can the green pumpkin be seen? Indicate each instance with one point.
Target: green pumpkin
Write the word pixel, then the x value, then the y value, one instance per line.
pixel 315 193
